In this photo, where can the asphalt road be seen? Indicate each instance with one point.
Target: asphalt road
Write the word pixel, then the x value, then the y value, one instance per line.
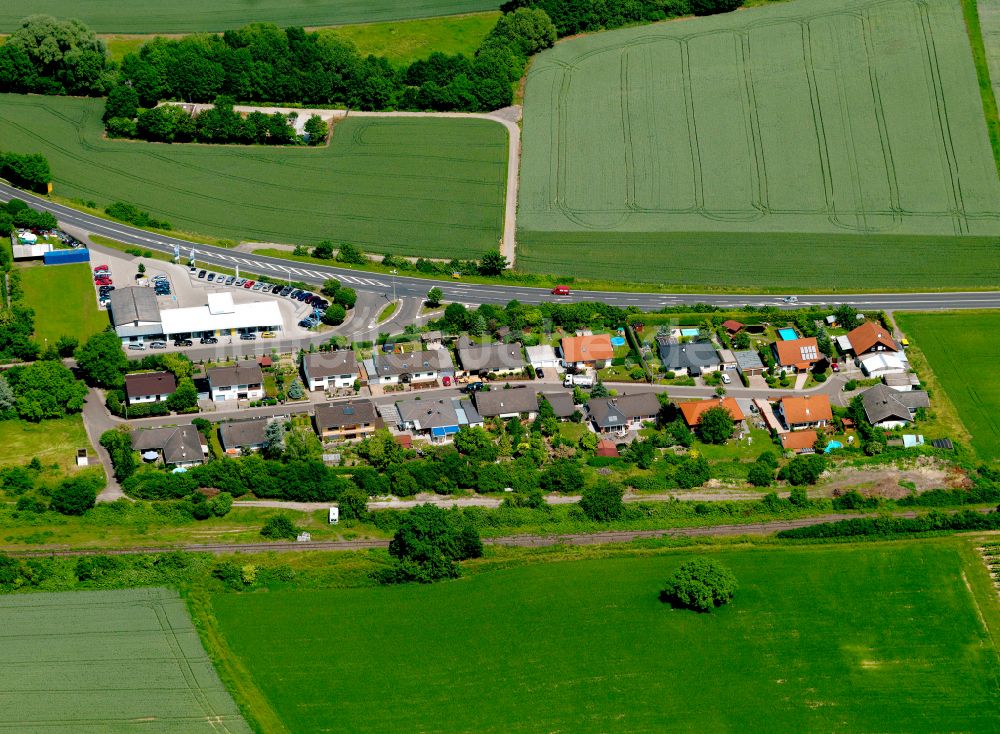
pixel 470 293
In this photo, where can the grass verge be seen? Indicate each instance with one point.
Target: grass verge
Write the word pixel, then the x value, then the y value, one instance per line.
pixel 52 441
pixel 970 11
pixel 64 301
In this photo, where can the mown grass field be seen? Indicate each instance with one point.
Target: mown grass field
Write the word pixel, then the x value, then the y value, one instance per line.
pixel 872 637
pixel 52 441
pixel 961 349
pixel 859 118
pixel 403 42
pixel 64 301
pixel 406 185
pixel 108 661
pixel 192 16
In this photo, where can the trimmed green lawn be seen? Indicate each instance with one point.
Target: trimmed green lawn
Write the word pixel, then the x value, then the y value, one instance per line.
pixel 52 441
pixel 64 300
pixel 733 449
pixel 873 637
pixel 403 42
pixel 961 350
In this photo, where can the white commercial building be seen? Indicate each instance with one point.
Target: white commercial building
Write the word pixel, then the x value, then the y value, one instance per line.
pixel 137 316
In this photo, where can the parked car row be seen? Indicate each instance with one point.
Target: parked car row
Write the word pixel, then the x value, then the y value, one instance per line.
pixel 104 284
pixel 285 291
pixel 162 285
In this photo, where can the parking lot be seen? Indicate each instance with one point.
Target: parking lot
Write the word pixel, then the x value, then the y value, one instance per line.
pixel 187 290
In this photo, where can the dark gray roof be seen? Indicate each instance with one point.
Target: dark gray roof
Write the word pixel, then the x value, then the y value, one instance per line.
pixel 694 356
pixel 607 412
pixel 247 373
pixel 132 304
pixel 428 360
pixel 437 413
pixel 179 444
pixel 243 434
pixel 747 359
pixel 561 402
pixel 329 364
pixel 490 357
pixel 883 403
pixel 491 403
pixel 150 383
pixel 346 413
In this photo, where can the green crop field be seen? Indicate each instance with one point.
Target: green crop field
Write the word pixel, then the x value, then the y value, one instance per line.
pixel 874 637
pixel 64 301
pixel 191 16
pixel 859 119
pixel 433 187
pixel 961 349
pixel 406 41
pixel 108 661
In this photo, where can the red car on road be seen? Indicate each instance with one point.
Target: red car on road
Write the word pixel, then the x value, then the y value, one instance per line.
pixel 560 290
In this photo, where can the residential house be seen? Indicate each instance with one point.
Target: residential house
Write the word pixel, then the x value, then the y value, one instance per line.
pixel 347 420
pixel 518 401
pixel 693 358
pixel 179 446
pixel 425 366
pixel 561 402
pixel 888 408
pixel 748 363
pixel 438 418
pixel 241 437
pixel 796 355
pixel 693 410
pixel 243 381
pixel 149 387
pixel 806 411
pixel 871 337
pixel 325 370
pixel 623 413
pixel 801 442
pixel 542 356
pixel 591 351
pixel 496 358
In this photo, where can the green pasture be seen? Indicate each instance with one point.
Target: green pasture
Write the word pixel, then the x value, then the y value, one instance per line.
pixel 871 637
pixel 64 301
pixel 858 118
pixel 108 661
pixel 403 42
pixel 52 441
pixel 755 262
pixel 961 349
pixel 192 16
pixel 405 185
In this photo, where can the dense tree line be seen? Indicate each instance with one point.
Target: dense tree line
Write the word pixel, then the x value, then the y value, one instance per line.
pixel 888 526
pixel 583 16
pixel 44 389
pixel 30 171
pixel 46 55
pixel 264 63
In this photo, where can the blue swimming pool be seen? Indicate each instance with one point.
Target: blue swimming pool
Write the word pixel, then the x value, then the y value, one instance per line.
pixel 833 445
pixel 617 341
pixel 689 332
pixel 787 334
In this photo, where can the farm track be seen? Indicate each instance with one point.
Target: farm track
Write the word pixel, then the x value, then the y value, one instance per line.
pixel 510 541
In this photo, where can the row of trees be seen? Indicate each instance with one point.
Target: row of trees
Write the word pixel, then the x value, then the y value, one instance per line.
pixel 29 171
pixel 517 316
pixel 264 63
pixel 218 124
pixel 40 390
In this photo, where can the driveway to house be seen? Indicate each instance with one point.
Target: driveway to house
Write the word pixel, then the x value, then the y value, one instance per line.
pixel 97 420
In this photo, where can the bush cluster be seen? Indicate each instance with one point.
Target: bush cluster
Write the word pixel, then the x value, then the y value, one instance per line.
pixel 887 526
pixel 125 212
pixel 30 171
